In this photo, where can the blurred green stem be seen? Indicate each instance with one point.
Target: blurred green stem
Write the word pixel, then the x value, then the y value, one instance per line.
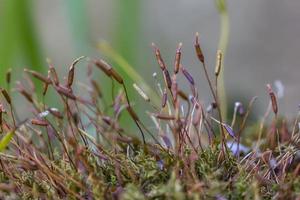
pixel 223 44
pixel 18 38
pixel 77 14
pixel 128 29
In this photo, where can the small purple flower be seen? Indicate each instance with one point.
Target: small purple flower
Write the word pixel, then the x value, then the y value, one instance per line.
pixel 229 130
pixel 160 164
pixel 167 141
pixel 238 107
pixel 237 148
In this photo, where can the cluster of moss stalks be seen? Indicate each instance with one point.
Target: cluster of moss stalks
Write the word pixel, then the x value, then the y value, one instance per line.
pixel 81 150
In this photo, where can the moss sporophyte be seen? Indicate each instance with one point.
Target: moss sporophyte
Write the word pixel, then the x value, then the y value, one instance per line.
pixel 80 149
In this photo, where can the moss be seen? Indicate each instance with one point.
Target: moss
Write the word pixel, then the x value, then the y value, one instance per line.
pixel 53 155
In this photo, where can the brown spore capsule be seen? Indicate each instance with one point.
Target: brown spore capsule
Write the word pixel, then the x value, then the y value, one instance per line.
pixel 198 49
pixel 218 62
pixel 116 76
pixel 159 59
pixel 103 66
pixel 39 122
pixel 177 58
pixel 164 98
pixel 167 78
pixel 273 99
pixel 38 76
pixel 188 76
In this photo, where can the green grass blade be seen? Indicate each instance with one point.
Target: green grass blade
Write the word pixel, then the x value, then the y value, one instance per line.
pixel 18 38
pixel 79 27
pixel 223 44
pixel 28 35
pixel 7 37
pixel 6 140
pixel 128 29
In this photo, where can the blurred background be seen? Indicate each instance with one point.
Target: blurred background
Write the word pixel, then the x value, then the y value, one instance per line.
pixel 263 44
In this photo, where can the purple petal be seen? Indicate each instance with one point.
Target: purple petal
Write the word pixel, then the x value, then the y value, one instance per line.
pixel 237 148
pixel 238 106
pixel 229 130
pixel 160 164
pixel 167 141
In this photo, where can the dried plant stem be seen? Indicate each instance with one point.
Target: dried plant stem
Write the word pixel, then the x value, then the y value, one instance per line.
pixel 242 127
pixel 63 145
pixel 112 89
pixel 209 82
pixel 215 96
pixel 262 123
pixel 69 117
pixel 135 120
pixel 51 154
pixel 295 124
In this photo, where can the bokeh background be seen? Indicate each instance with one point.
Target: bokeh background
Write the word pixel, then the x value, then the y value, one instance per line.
pixel 264 43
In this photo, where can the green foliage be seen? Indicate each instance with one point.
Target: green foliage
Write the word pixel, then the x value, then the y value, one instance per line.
pixel 79 26
pixel 223 45
pixel 18 38
pixel 127 30
pixel 6 140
